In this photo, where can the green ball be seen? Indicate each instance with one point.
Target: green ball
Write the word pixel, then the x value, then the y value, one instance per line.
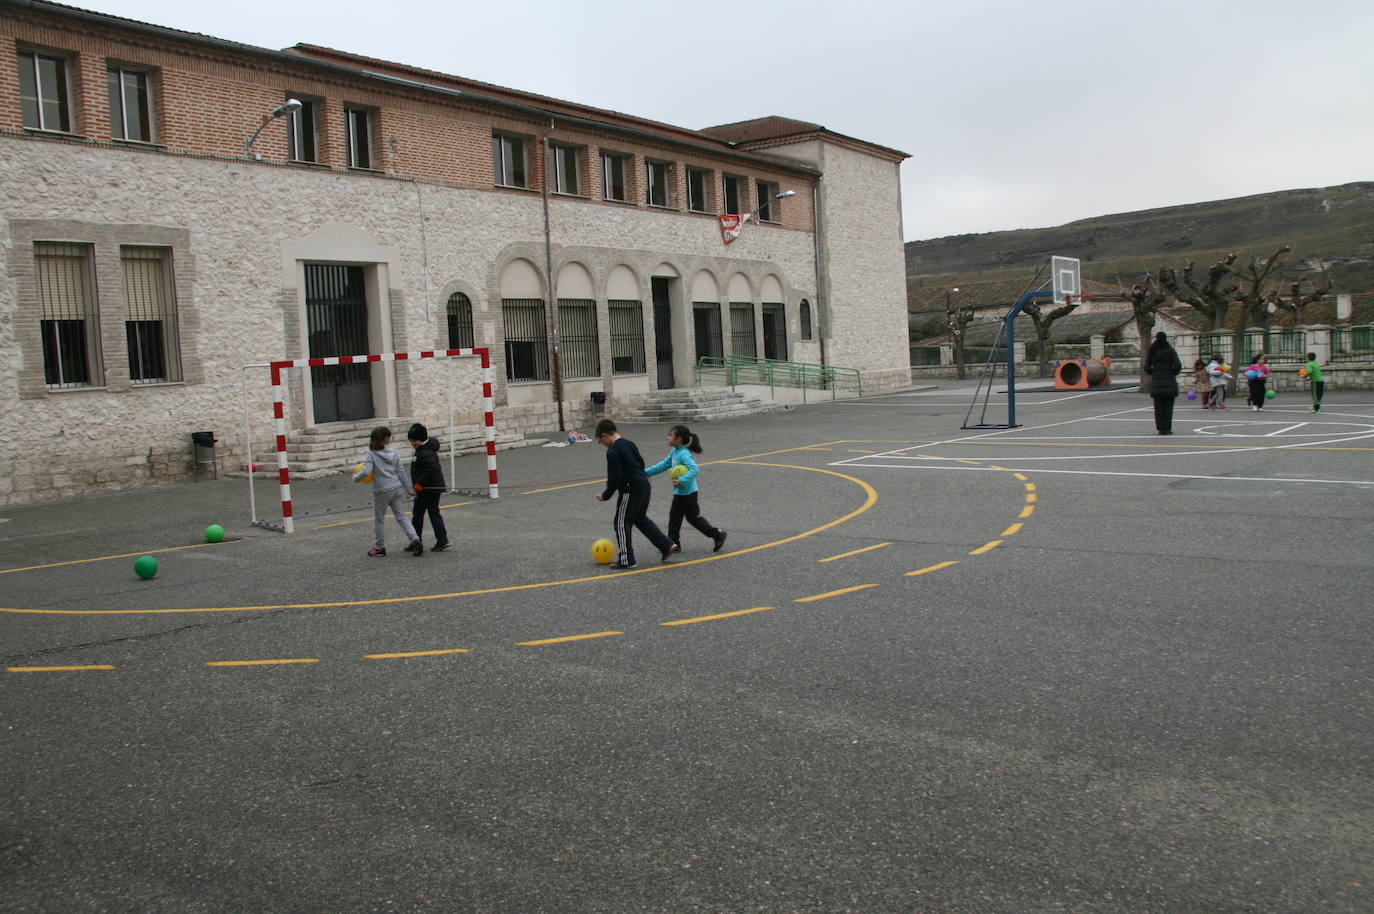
pixel 145 566
pixel 1269 395
pixel 214 534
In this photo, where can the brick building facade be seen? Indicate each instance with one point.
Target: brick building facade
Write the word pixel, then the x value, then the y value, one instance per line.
pixel 150 254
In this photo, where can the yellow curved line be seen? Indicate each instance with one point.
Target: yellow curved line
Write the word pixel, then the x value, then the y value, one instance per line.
pixel 869 502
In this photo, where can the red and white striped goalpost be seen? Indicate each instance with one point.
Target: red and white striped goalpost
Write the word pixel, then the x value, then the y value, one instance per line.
pixel 279 409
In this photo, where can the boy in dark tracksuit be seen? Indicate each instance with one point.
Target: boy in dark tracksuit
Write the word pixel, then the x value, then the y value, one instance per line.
pixel 625 476
pixel 428 477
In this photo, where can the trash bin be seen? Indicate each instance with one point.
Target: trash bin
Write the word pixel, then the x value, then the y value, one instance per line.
pixel 203 454
pixel 599 402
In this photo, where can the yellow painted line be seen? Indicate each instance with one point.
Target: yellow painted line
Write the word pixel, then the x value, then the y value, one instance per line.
pixel 729 615
pixel 1030 487
pixel 261 662
pixel 57 669
pixel 571 485
pixel 912 574
pixel 986 547
pixel 106 558
pixel 857 451
pixel 871 499
pixel 833 593
pixel 1012 530
pixel 1022 476
pixel 1027 511
pixel 845 555
pixel 567 638
pixel 808 449
pixel 404 654
pixel 1214 447
pixel 976 463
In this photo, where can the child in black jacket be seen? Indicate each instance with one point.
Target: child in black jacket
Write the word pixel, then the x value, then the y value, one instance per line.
pixel 428 477
pixel 625 477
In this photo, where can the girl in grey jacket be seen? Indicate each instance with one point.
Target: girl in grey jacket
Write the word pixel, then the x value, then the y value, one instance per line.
pixel 390 489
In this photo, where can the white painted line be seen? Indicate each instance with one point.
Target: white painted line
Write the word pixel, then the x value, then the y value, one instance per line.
pixel 1041 470
pixel 1282 430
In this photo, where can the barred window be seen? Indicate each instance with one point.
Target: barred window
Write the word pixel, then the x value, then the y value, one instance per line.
pixel 706 330
pixel 627 337
pixel 578 351
pixel 150 319
pixel 67 314
pixel 742 329
pixel 460 335
pixel 805 319
pixel 527 348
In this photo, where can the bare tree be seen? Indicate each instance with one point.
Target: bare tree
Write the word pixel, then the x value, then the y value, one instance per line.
pixel 1145 297
pixel 1043 321
pixel 957 322
pixel 1213 297
pixel 1297 301
pixel 1255 298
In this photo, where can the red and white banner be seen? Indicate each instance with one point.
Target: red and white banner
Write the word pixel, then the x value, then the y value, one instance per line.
pixel 732 225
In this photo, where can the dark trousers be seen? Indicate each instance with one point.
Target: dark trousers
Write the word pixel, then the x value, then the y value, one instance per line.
pixel 427 502
pixel 1164 412
pixel 631 511
pixel 1318 388
pixel 685 507
pixel 1257 392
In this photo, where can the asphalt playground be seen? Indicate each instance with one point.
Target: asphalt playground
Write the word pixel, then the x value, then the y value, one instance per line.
pixel 1071 666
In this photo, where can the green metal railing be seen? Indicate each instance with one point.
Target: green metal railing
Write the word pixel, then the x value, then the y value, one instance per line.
pixel 1352 343
pixel 740 369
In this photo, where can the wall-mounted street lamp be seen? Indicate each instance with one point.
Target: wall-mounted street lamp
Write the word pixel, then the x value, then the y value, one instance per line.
pixel 781 196
pixel 286 107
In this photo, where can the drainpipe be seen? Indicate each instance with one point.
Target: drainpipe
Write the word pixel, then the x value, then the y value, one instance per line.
pixel 553 296
pixel 822 312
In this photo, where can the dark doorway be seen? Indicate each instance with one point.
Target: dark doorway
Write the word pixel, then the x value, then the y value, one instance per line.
pixel 706 327
pixel 774 331
pixel 663 332
pixel 336 320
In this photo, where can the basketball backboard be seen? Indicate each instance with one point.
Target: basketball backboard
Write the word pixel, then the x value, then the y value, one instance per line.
pixel 1065 276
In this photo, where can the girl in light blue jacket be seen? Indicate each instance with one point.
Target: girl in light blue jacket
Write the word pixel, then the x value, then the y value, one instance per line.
pixel 683 471
pixel 390 488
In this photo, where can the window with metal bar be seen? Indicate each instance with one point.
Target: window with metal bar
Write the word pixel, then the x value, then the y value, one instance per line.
pixel 527 347
pixel 301 136
pixel 150 318
pixel 508 158
pixel 627 336
pixel 131 105
pixel 68 317
pixel 460 335
pixel 805 319
pixel 44 94
pixel 358 127
pixel 578 353
pixel 706 329
pixel 742 340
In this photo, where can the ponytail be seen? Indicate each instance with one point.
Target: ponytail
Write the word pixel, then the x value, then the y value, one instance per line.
pixel 688 438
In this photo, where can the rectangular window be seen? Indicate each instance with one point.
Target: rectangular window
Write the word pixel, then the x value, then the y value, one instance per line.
pixel 527 349
pixel 659 176
pixel 43 91
pixel 131 105
pixel 767 190
pixel 301 136
pixel 508 157
pixel 613 185
pixel 358 130
pixel 742 329
pixel 150 319
pixel 578 352
pixel 734 194
pixel 67 314
pixel 706 330
pixel 698 180
pixel 627 337
pixel 566 174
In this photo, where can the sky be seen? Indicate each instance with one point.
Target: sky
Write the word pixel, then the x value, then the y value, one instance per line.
pixel 1015 114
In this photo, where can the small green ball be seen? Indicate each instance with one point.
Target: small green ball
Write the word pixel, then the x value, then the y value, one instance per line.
pixel 214 534
pixel 145 566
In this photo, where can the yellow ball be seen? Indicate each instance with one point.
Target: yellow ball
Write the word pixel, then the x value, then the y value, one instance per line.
pixel 358 469
pixel 678 471
pixel 1226 368
pixel 603 551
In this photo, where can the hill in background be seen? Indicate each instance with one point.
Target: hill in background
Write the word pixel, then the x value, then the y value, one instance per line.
pixel 1328 228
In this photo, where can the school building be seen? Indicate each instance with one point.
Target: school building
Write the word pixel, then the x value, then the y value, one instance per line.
pixel 180 210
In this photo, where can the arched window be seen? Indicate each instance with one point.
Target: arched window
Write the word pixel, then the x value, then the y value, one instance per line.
pixel 805 319
pixel 460 322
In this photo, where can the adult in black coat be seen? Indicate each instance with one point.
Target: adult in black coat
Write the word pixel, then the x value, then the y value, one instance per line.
pixel 1162 365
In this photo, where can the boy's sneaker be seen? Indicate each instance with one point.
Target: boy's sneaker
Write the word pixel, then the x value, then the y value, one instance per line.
pixel 623 565
pixel 377 551
pixel 672 548
pixel 416 548
pixel 439 547
pixel 719 540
